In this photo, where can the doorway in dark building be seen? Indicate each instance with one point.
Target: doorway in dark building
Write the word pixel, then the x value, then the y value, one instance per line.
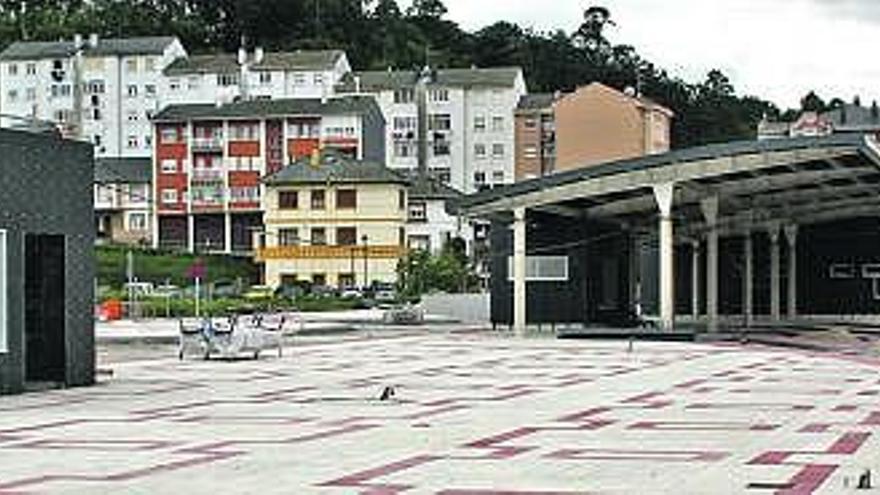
pixel 45 356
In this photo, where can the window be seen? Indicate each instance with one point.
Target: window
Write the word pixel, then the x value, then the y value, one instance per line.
pixel 319 280
pixel 288 200
pixel 346 236
pixel 132 142
pixel 480 150
pixel 444 175
pixel 530 151
pixel 440 122
pixel 148 141
pixel 150 64
pixel 319 79
pixel 31 69
pixel 542 268
pixel 193 82
pixel 132 90
pixel 150 90
pixel 401 200
pixel 497 123
pixel 498 150
pixel 169 196
pixel 97 140
pixel 133 116
pixel 498 177
pixel 405 123
pixel 404 149
pixel 265 78
pixel 168 135
pixel 299 79
pixel 479 124
pixel 319 236
pixel 225 80
pixel 131 65
pixel 439 95
pixel 441 148
pixel 169 166
pixel 318 199
pixel 137 221
pixel 95 87
pixel 418 211
pixel 288 237
pixel 174 85
pixel 405 95
pixel 346 199
pixel 479 178
pixel 420 243
pixel 13 69
pixel 12 95
pixel 4 346
pixel 531 123
pixel 244 132
pixel 96 114
pixel 31 94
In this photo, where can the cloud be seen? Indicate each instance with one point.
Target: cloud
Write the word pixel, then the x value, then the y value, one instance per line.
pixel 863 10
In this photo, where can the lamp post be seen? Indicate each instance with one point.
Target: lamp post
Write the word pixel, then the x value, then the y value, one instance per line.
pixel 365 240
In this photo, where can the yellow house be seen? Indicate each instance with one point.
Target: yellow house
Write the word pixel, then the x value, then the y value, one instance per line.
pixel 333 221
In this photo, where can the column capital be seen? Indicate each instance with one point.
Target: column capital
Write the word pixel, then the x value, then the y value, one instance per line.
pixel 773 230
pixel 519 214
pixel 710 206
pixel 791 233
pixel 664 194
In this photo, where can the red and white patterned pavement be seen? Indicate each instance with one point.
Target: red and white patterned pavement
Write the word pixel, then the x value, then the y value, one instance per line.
pixel 476 415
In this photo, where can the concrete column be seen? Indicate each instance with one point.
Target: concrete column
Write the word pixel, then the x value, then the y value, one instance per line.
pixel 748 280
pixel 664 195
pixel 190 233
pixel 227 232
pixel 775 303
pixel 695 278
pixel 791 232
pixel 709 208
pixel 519 271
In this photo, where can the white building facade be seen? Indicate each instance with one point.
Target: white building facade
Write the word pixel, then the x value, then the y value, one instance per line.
pixel 254 75
pixel 120 81
pixel 471 127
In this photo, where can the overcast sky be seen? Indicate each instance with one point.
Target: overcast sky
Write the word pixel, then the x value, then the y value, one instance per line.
pixel 776 49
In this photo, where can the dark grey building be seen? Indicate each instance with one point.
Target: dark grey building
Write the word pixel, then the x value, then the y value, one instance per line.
pixel 46 261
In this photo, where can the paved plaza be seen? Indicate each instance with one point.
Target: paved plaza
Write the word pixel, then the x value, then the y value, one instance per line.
pixel 475 414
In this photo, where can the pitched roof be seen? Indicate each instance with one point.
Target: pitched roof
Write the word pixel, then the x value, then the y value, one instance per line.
pixel 334 169
pixel 853 117
pixel 536 101
pixel 344 105
pixel 228 62
pixel 36 50
pixel 498 77
pixel 123 171
pixel 432 188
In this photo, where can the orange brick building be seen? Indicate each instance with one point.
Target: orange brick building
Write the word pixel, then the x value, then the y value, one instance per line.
pixel 592 125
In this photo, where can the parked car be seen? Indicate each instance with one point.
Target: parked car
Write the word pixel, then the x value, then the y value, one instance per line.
pixel 291 291
pixel 384 292
pixel 169 291
pixel 225 289
pixel 142 289
pixel 258 292
pixel 351 293
pixel 324 291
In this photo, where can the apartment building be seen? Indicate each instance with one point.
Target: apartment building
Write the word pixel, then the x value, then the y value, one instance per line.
pixel 432 220
pixel 123 200
pixel 210 159
pixel 333 220
pixel 594 124
pixel 227 77
pixel 100 90
pixel 471 138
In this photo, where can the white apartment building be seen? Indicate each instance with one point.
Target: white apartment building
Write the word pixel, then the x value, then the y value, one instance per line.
pixel 471 126
pixel 120 88
pixel 123 200
pixel 258 75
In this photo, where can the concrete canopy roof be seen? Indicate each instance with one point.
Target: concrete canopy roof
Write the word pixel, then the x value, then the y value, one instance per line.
pixel 803 180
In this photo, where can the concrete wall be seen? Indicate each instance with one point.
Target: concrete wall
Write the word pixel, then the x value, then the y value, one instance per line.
pixel 466 308
pixel 47 189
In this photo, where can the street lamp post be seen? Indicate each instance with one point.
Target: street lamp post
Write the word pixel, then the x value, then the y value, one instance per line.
pixel 364 239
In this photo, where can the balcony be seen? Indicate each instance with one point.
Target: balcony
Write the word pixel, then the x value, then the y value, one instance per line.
pixel 203 175
pixel 208 144
pixel 330 252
